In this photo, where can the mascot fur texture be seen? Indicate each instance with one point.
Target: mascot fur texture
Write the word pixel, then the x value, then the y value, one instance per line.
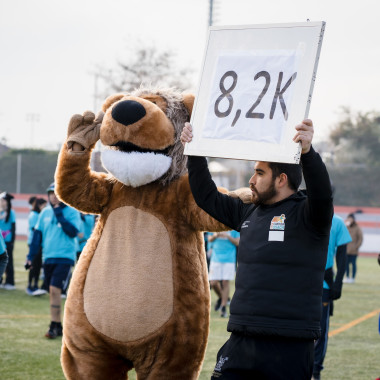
pixel 139 296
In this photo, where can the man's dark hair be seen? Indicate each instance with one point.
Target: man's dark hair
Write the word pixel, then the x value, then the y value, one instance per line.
pixel 32 200
pixel 293 172
pixel 37 205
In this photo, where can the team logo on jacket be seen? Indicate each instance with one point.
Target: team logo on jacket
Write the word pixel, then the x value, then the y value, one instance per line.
pixel 218 368
pixel 245 224
pixel 278 223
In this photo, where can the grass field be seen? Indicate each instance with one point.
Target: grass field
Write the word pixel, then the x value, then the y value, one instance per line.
pixel 353 353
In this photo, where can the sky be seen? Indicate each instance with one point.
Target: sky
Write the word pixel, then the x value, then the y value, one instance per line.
pixel 50 49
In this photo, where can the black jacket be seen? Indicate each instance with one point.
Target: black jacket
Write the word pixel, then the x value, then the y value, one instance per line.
pixel 282 252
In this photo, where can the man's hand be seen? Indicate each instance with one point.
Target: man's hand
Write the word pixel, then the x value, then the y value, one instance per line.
pixel 305 132
pixel 28 264
pixel 335 292
pixel 186 135
pixel 84 131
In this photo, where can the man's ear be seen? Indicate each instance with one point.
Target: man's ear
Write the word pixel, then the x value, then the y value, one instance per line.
pixel 283 180
pixel 188 101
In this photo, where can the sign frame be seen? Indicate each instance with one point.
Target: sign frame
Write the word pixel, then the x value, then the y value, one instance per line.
pixel 305 39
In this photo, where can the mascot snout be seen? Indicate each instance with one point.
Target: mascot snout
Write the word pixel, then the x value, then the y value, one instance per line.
pixel 128 112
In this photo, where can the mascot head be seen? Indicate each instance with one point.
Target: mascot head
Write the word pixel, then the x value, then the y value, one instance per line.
pixel 141 132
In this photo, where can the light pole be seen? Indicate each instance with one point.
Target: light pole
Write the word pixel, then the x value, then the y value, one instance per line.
pixel 18 175
pixel 32 118
pixel 211 10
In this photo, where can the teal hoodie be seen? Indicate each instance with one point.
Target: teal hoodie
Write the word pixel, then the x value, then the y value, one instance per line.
pixel 55 242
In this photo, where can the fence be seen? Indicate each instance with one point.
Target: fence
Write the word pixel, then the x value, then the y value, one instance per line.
pixel 368 219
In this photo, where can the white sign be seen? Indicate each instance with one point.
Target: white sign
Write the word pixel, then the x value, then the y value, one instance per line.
pixel 255 86
pixel 253 100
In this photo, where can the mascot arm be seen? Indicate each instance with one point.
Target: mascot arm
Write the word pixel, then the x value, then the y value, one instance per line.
pixel 76 184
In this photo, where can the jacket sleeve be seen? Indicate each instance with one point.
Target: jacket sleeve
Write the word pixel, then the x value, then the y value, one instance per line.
pixel 35 245
pixel 223 208
pixel 319 206
pixel 68 228
pixel 340 259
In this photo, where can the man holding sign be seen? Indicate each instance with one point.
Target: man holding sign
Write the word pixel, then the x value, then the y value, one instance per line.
pixel 284 235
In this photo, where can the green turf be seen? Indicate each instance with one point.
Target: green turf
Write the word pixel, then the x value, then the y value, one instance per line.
pixel 25 353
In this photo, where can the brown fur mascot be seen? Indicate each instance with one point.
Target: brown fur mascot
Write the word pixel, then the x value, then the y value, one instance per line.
pixel 139 296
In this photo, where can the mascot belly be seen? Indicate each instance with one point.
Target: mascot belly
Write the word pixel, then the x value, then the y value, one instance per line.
pixel 138 274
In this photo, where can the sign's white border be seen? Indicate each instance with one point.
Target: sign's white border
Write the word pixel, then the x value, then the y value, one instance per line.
pixel 306 39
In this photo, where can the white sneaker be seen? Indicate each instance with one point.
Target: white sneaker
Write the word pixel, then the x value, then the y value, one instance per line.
pixel 9 287
pixel 29 291
pixel 39 292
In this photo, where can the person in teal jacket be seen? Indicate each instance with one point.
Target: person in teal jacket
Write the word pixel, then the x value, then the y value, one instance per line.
pixel 332 287
pixel 3 255
pixel 86 227
pixel 56 230
pixel 38 205
pixel 8 228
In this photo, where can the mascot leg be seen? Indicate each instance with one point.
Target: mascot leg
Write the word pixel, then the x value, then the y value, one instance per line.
pixel 172 363
pixel 85 365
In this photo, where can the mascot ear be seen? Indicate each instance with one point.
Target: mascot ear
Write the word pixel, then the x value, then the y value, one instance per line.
pixel 188 101
pixel 111 100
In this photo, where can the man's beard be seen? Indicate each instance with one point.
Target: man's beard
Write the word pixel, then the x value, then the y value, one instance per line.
pixel 263 197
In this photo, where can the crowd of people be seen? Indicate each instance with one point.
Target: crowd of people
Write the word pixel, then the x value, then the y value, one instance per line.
pixel 57 234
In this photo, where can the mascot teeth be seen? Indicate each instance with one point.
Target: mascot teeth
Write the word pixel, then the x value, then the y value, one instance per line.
pixel 135 168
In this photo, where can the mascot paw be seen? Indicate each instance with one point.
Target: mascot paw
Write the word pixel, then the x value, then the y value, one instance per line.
pixel 84 129
pixel 244 193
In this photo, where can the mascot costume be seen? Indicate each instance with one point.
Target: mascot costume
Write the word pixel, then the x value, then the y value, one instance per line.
pixel 139 296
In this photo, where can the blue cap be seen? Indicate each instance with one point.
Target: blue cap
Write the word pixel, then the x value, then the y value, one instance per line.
pixel 51 187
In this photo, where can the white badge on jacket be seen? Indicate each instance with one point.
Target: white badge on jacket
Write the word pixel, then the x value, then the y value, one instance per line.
pixel 278 225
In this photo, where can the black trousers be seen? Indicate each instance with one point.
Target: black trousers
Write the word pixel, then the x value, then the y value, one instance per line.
pixel 9 270
pixel 3 263
pixel 321 344
pixel 35 270
pixel 264 358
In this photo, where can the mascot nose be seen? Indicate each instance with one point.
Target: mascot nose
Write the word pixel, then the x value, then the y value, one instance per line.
pixel 128 112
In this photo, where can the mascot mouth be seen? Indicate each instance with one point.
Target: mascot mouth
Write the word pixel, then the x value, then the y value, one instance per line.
pixel 135 166
pixel 128 147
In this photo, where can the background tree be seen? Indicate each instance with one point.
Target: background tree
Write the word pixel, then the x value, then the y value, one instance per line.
pixel 145 65
pixel 356 138
pixel 37 170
